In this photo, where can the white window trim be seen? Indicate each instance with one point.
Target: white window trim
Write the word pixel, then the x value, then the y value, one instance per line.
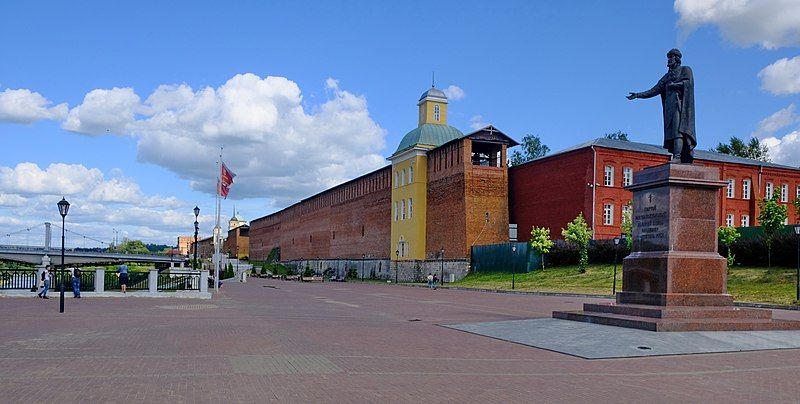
pixel 608 214
pixel 403 209
pixel 745 221
pixel 730 192
pixel 436 112
pixel 411 174
pixel 729 220
pixel 784 192
pixel 769 190
pixel 608 176
pixel 410 207
pixel 627 176
pixel 746 189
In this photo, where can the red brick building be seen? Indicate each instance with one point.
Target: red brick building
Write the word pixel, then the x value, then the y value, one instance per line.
pixel 589 179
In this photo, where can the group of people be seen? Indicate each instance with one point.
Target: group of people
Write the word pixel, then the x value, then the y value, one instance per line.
pixel 47 278
pixel 432 280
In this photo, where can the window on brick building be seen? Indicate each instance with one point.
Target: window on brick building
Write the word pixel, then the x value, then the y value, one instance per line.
pixel 410 207
pixel 627 176
pixel 786 221
pixel 626 211
pixel 731 185
pixel 729 220
pixel 362 230
pixel 797 192
pixel 769 190
pixel 784 192
pixel 608 176
pixel 403 209
pixel 608 214
pixel 333 235
pixel 745 221
pixel 746 189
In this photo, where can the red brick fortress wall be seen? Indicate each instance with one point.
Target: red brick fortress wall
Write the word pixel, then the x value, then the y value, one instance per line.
pixel 351 220
pixel 446 217
pixel 486 193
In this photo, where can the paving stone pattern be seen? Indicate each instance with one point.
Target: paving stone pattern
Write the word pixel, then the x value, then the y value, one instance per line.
pixel 321 342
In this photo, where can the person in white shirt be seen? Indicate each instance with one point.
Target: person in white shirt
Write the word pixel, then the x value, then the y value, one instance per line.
pixel 46 279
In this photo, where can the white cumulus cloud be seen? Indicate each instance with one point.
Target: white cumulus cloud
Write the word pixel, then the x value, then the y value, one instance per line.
pixel 477 122
pixel 768 23
pixel 784 150
pixel 454 93
pixel 782 77
pixel 280 149
pixel 777 121
pixel 104 111
pixel 25 106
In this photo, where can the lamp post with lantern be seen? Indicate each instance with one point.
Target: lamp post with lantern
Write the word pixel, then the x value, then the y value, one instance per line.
pixel 63 209
pixel 616 251
pixel 196 228
pixel 441 278
pixel 797 273
pixel 513 265
pixel 396 264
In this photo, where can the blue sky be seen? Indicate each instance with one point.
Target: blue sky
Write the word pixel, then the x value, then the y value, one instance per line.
pixel 121 107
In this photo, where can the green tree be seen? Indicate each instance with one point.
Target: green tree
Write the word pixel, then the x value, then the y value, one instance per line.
pixel 578 233
pixel 771 219
pixel 540 241
pixel 627 225
pixel 727 236
pixel 618 135
pixel 737 147
pixel 532 148
pixel 132 247
pixel 796 204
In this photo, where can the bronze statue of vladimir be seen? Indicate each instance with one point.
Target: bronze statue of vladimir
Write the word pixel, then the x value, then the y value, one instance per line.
pixel 676 89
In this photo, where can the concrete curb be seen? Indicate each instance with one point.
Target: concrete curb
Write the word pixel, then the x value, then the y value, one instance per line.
pixel 68 294
pixel 588 295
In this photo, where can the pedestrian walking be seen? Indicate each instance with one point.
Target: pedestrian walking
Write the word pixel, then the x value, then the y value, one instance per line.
pixel 435 281
pixel 76 282
pixel 430 280
pixel 45 283
pixel 122 270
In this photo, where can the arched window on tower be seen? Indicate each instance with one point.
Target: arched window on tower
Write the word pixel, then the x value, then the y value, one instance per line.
pixel 436 112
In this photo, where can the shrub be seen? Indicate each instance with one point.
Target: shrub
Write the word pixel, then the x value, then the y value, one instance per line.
pixel 351 273
pixel 308 272
pixel 578 233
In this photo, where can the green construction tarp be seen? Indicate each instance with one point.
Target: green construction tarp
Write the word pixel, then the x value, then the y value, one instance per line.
pixel 503 258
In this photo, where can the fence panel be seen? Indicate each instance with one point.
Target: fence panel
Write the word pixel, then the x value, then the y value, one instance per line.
pixel 502 258
pixel 136 281
pixel 20 279
pixel 178 282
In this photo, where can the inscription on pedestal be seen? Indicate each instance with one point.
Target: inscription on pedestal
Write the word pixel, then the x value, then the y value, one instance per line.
pixel 650 221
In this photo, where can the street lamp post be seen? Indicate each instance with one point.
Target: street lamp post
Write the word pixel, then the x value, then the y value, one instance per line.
pixel 63 208
pixel 614 282
pixel 797 278
pixel 363 257
pixel 196 228
pixel 396 264
pixel 513 265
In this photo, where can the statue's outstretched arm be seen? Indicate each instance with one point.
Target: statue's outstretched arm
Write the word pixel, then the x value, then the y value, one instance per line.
pixel 656 90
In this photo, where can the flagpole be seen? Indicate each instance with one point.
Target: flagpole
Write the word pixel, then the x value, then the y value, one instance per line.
pixel 217 230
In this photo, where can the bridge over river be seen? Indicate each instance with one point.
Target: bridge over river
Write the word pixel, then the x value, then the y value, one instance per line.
pixel 36 255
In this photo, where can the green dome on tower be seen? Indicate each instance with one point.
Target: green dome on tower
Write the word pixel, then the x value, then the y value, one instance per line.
pixel 429 134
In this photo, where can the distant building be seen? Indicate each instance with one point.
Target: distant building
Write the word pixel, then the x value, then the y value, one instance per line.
pixel 237 244
pixel 185 244
pixel 590 178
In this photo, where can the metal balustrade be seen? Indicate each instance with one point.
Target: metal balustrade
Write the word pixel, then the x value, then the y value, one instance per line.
pixel 21 279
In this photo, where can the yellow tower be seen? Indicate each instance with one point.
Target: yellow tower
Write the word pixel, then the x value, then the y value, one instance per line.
pixel 409 175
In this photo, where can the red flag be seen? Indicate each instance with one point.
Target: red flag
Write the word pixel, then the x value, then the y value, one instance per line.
pixel 225 180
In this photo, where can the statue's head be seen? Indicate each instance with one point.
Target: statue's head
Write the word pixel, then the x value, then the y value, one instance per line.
pixel 673 58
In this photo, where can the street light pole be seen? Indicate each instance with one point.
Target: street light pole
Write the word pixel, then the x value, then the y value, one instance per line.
pixel 396 264
pixel 196 228
pixel 614 282
pixel 797 278
pixel 63 208
pixel 513 265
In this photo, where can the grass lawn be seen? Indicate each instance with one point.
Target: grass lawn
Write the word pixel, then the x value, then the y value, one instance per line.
pixel 747 284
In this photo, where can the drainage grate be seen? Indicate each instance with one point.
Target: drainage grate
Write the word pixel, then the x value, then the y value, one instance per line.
pixel 643 347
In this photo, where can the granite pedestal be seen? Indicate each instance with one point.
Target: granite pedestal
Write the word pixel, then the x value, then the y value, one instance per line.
pixel 674 279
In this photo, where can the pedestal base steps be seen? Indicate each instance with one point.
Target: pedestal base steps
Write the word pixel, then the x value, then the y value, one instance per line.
pixel 678 318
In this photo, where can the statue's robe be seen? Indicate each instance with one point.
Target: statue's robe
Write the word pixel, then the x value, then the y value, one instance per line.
pixel 678 106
